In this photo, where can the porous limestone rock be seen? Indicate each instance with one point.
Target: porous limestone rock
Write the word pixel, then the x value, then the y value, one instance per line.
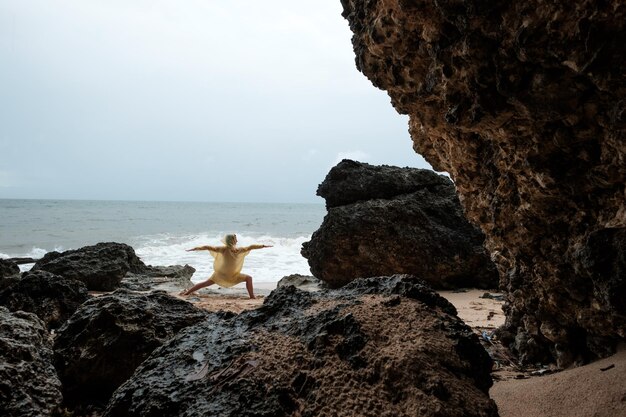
pixel 385 220
pixel 523 103
pixel 100 346
pixel 100 267
pixel 8 268
pixel 167 278
pixel 29 385
pixel 51 297
pixel 301 282
pixel 385 346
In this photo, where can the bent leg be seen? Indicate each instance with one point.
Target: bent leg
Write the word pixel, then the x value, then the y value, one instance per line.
pixel 249 286
pixel 199 285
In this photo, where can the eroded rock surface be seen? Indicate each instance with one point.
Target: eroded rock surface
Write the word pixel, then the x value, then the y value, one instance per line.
pixel 29 385
pixel 166 278
pixel 384 220
pixel 8 268
pixel 385 346
pixel 523 103
pixel 301 282
pixel 109 336
pixel 100 267
pixel 51 297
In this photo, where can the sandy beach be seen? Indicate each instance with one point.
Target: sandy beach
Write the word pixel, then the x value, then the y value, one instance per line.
pixel 233 299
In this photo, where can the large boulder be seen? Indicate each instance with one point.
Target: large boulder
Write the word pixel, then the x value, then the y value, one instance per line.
pixel 109 336
pixel 375 227
pixel 51 297
pixel 29 385
pixel 100 267
pixel 523 104
pixel 8 268
pixel 386 346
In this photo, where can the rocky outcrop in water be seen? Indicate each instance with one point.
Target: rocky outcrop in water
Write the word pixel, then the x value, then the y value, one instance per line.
pixel 383 220
pixel 51 297
pixel 386 346
pixel 29 386
pixel 100 267
pixel 523 103
pixel 109 336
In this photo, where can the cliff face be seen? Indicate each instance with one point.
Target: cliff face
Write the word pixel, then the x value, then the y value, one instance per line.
pixel 524 104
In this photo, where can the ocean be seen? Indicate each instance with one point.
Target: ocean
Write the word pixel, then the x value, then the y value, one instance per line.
pixel 161 231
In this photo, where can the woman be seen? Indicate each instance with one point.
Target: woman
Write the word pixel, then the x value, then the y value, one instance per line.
pixel 227 265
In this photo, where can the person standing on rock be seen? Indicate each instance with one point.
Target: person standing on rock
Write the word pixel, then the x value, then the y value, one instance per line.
pixel 227 265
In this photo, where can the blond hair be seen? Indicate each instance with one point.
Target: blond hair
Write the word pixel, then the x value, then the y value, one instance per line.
pixel 229 240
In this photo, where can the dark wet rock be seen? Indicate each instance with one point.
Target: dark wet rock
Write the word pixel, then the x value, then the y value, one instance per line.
pixel 29 385
pixel 9 281
pixel 8 268
pixel 385 346
pixel 523 103
pixel 51 297
pixel 369 231
pixel 352 181
pixel 166 278
pixel 302 282
pixel 109 336
pixel 23 261
pixel 100 267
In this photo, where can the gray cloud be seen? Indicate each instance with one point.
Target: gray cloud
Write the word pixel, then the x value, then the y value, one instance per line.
pixel 194 100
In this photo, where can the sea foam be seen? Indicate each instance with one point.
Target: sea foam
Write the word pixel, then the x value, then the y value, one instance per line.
pixel 264 265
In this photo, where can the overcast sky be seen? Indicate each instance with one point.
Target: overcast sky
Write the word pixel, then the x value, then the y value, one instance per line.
pixel 194 100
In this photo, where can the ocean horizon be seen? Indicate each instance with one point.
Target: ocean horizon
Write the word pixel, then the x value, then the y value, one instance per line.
pixel 160 231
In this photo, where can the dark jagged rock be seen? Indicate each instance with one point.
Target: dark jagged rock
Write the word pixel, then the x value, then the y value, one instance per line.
pixel 167 278
pixel 29 385
pixel 302 282
pixel 8 268
pixel 352 181
pixel 109 336
pixel 523 103
pixel 386 346
pixel 101 267
pixel 51 297
pixel 23 261
pixel 369 231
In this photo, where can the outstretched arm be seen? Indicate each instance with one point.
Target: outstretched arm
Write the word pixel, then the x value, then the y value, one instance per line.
pixel 247 248
pixel 211 248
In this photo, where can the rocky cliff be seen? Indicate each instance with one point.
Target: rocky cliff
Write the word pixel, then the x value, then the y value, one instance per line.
pixel 523 103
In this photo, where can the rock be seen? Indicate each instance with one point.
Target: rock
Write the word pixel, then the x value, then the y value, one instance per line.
pixel 8 268
pixel 386 346
pixel 51 297
pixel 301 282
pixel 109 336
pixel 100 267
pixel 422 231
pixel 522 103
pixel 166 278
pixel 352 181
pixel 23 261
pixel 29 385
